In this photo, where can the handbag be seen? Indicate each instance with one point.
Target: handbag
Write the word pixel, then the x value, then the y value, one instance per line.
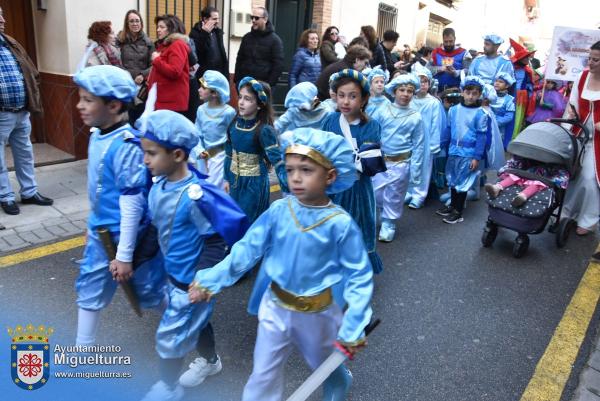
pixel 368 159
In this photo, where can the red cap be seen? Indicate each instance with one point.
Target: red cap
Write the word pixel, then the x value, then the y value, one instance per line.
pixel 519 51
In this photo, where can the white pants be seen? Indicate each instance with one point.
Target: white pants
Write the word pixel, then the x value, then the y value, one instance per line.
pixel 279 331
pixel 390 189
pixel 215 170
pixel 582 202
pixel 419 192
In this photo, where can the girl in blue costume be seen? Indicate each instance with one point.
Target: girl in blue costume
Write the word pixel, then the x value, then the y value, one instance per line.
pixel 251 148
pixel 319 279
pixel 433 116
pixel 352 94
pixel 504 106
pixel 377 80
pixel 212 120
pixel 303 109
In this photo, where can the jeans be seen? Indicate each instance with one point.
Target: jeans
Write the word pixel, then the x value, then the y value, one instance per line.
pixel 15 129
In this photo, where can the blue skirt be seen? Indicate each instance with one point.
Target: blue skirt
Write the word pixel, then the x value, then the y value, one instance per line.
pixel 251 194
pixel 458 173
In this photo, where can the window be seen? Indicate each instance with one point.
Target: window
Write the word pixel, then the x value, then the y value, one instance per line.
pixel 387 19
pixel 187 10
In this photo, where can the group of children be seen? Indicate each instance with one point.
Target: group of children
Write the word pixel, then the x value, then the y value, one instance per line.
pixel 204 220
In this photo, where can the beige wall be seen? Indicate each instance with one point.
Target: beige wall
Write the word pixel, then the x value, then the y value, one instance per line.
pixel 61 30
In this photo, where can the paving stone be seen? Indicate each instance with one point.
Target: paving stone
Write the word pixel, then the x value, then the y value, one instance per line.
pixel 70 228
pixel 56 230
pixel 44 234
pixel 31 238
pixel 82 224
pixel 584 395
pixel 594 360
pixel 590 380
pixel 8 231
pixel 6 247
pixel 28 227
pixel 83 215
pixel 14 240
pixel 55 221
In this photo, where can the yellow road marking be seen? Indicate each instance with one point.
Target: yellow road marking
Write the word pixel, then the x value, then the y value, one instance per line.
pixel 41 251
pixel 275 188
pixel 553 369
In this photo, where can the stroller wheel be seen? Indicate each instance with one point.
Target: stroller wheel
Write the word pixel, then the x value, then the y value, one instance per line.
pixel 490 232
pixel 521 245
pixel 565 227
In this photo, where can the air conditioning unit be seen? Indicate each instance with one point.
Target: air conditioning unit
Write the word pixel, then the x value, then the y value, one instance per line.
pixel 241 23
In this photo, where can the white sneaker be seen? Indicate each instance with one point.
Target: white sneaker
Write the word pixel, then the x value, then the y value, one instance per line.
pixel 160 391
pixel 199 370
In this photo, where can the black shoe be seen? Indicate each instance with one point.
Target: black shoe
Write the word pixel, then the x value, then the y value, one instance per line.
pixel 445 211
pixel 37 199
pixel 10 207
pixel 453 218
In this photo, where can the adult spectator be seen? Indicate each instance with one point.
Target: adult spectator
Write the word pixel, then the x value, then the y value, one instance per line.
pixel 261 51
pixel 328 42
pixel 357 57
pixel 207 36
pixel 447 61
pixel 170 65
pixel 136 54
pixel 378 58
pixel 582 202
pixel 102 44
pixel 306 64
pixel 19 96
pixel 490 63
pixel 390 39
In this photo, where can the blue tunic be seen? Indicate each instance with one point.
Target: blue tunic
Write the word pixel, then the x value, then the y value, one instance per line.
pixel 487 68
pixel 305 250
pixel 359 200
pixel 294 118
pixel 375 103
pixel 212 124
pixel 504 110
pixel 402 131
pixel 245 168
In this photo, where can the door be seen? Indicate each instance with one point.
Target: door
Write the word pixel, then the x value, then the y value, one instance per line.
pixel 290 18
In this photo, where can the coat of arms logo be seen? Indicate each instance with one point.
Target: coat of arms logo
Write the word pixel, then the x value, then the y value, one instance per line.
pixel 30 355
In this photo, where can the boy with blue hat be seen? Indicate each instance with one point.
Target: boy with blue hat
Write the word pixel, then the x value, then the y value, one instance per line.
pixel 433 115
pixel 504 106
pixel 490 63
pixel 186 227
pixel 117 195
pixel 377 79
pixel 212 121
pixel 303 109
pixel 465 138
pixel 314 261
pixel 403 143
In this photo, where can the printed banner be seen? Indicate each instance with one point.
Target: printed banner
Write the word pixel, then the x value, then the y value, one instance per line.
pixel 569 52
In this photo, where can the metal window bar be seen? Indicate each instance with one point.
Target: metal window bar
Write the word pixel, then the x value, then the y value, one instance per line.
pixel 387 19
pixel 187 10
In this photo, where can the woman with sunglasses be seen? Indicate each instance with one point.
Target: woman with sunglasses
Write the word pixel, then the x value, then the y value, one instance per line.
pixel 328 54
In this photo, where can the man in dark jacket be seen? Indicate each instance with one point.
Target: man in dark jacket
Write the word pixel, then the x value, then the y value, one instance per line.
pixel 390 39
pixel 19 96
pixel 261 51
pixel 208 38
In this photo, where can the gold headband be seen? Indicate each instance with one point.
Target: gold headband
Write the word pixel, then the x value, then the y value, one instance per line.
pixel 315 155
pixel 202 83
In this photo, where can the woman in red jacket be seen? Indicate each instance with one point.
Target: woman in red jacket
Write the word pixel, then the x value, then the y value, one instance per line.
pixel 170 67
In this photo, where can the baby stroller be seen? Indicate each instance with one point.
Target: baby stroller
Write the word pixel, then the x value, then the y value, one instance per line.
pixel 545 142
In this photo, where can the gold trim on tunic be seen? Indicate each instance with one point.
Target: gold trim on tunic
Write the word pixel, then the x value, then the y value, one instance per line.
pixel 315 225
pixel 245 164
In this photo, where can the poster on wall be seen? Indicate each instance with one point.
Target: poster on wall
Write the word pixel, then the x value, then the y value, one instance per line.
pixel 569 52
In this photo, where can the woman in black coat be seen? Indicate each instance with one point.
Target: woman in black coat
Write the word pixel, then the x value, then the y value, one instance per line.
pixel 368 32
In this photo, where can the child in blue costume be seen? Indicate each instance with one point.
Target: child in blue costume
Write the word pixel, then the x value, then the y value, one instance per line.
pixel 465 138
pixel 212 121
pixel 433 115
pixel 352 94
pixel 314 256
pixel 303 109
pixel 117 192
pixel 504 106
pixel 183 231
pixel 403 143
pixel 250 148
pixel 377 79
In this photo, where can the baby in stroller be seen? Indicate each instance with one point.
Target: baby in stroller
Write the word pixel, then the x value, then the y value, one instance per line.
pixel 556 173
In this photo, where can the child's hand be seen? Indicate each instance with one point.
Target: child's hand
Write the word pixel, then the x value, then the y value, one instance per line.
pixel 196 294
pixel 474 164
pixel 204 155
pixel 350 350
pixel 121 271
pixel 226 187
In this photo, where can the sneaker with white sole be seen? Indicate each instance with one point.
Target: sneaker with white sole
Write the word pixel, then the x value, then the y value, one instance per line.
pixel 453 218
pixel 161 391
pixel 199 370
pixel 445 211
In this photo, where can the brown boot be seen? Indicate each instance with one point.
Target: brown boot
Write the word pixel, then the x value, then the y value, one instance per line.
pixel 493 190
pixel 519 200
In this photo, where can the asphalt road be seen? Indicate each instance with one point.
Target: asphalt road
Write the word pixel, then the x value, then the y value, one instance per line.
pixel 460 322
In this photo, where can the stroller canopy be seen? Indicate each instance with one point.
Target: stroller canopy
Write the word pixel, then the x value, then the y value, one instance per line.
pixel 547 143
